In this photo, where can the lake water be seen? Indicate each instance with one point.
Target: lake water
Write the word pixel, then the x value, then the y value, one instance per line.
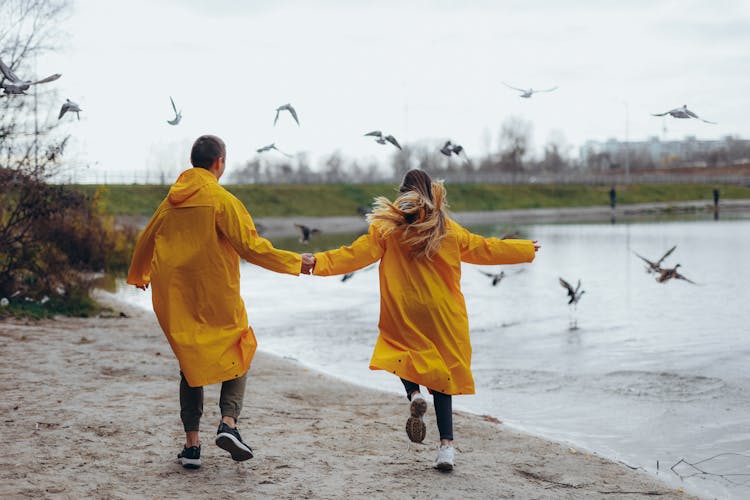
pixel 654 372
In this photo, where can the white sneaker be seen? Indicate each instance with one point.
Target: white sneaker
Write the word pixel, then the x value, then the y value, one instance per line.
pixel 415 428
pixel 446 458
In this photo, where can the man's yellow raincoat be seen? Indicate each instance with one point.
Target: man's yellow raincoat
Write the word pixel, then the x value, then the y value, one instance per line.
pixel 424 328
pixel 190 253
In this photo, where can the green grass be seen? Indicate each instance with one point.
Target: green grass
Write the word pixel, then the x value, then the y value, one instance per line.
pixel 343 199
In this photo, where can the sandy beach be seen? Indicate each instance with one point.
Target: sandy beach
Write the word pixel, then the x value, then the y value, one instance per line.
pixel 90 409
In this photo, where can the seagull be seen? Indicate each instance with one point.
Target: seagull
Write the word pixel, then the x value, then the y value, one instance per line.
pixel 513 235
pixel 270 147
pixel 526 93
pixel 381 139
pixel 574 294
pixel 496 277
pixel 682 112
pixel 177 114
pixel 286 107
pixel 655 267
pixel 11 84
pixel 69 105
pixel 667 274
pixel 306 232
pixel 450 148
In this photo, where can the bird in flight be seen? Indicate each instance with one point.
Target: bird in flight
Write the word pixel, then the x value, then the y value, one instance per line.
pixel 383 139
pixel 496 277
pixel 456 149
pixel 306 232
pixel 177 114
pixel 69 105
pixel 573 293
pixel 682 112
pixel 655 267
pixel 526 93
pixel 11 84
pixel 286 107
pixel 668 274
pixel 270 147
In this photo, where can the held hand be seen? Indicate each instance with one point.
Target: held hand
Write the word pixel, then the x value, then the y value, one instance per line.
pixel 308 263
pixel 536 247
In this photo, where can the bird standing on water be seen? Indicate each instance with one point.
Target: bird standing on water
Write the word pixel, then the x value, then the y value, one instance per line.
pixel 306 232
pixel 575 295
pixel 177 114
pixel 286 107
pixel 527 93
pixel 383 139
pixel 71 106
pixel 11 84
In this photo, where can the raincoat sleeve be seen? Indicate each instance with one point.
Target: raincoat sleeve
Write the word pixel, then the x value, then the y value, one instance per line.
pixel 365 250
pixel 140 266
pixel 235 223
pixel 476 249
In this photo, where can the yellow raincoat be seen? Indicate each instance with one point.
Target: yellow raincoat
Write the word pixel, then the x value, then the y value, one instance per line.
pixel 424 328
pixel 190 253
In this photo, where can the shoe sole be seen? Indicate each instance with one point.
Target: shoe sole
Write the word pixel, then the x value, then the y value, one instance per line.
pixel 239 451
pixel 415 428
pixel 190 463
pixel 444 466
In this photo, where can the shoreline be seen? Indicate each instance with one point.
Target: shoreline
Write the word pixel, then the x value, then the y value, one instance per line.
pixel 91 409
pixel 283 227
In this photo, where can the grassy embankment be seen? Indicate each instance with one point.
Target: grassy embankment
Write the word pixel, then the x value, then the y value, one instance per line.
pixel 343 199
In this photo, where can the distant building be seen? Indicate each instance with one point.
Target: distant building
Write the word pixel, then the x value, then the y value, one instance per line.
pixel 654 153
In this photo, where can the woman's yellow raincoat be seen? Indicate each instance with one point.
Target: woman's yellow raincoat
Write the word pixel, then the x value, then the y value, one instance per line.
pixel 424 328
pixel 190 253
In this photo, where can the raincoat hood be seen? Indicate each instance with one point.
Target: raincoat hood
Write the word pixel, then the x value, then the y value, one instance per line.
pixel 188 183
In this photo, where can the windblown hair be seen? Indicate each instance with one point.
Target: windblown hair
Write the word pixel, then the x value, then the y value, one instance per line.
pixel 418 214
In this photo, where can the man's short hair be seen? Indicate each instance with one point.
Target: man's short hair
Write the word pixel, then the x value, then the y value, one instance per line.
pixel 206 150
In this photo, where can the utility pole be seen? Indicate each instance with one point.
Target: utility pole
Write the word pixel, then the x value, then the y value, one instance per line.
pixel 627 144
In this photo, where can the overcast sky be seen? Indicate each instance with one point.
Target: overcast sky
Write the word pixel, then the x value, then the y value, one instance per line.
pixel 421 70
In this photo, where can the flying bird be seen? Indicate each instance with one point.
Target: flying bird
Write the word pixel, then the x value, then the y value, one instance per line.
pixel 383 139
pixel 449 148
pixel 526 93
pixel 286 107
pixel 574 294
pixel 270 147
pixel 11 84
pixel 306 232
pixel 348 276
pixel 177 114
pixel 496 277
pixel 655 267
pixel 71 106
pixel 668 274
pixel 682 112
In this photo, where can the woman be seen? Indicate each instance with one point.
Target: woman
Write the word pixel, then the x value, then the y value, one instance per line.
pixel 424 329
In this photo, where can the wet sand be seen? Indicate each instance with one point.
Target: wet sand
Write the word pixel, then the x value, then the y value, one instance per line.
pixel 90 409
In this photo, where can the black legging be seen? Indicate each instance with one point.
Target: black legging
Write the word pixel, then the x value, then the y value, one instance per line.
pixel 443 409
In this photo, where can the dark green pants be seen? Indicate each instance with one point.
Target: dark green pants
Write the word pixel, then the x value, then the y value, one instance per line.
pixel 191 401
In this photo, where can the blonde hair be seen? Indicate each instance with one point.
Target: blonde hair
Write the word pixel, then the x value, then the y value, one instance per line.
pixel 418 214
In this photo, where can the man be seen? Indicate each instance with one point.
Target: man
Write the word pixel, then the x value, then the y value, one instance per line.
pixel 190 252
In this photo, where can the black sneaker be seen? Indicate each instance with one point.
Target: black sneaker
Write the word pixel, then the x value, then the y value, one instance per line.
pixel 190 458
pixel 229 439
